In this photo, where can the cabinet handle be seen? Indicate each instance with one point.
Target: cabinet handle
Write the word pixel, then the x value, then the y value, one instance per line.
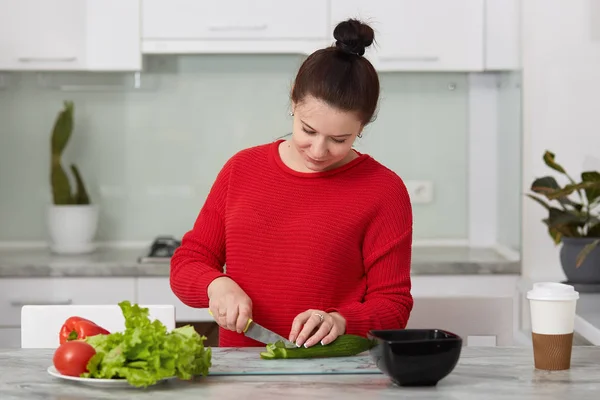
pixel 410 59
pixel 47 59
pixel 222 28
pixel 41 303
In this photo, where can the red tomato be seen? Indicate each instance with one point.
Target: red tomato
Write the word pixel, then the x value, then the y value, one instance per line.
pixel 71 358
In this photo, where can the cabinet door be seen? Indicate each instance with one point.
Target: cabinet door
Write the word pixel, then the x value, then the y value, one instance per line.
pixel 42 35
pixel 68 35
pixel 113 35
pixel 10 338
pixel 235 19
pixel 420 34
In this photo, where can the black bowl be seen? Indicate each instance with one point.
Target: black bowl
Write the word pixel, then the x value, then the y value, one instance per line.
pixel 415 357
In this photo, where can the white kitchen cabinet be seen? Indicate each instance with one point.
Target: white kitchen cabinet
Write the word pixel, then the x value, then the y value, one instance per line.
pixel 37 33
pixel 502 35
pixel 157 290
pixel 480 320
pixel 17 292
pixel 70 35
pixel 420 35
pixel 234 26
pixel 10 338
pixel 482 308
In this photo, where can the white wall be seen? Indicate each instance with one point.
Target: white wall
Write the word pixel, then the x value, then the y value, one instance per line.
pixel 561 108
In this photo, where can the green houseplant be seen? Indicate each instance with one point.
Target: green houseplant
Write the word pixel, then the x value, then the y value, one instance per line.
pixel 61 187
pixel 72 218
pixel 573 219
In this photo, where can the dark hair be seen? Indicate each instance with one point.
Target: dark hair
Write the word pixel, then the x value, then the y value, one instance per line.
pixel 339 75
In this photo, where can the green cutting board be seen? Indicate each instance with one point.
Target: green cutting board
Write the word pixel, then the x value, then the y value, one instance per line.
pixel 247 361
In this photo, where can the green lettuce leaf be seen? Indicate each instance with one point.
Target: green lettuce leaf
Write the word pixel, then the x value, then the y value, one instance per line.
pixel 145 352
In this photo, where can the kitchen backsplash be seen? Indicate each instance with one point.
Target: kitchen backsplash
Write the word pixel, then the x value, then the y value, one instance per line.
pixel 150 155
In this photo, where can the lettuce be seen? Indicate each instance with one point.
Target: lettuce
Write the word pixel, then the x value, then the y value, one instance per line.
pixel 145 352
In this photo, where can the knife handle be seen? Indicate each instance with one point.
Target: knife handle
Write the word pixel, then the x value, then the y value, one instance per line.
pixel 247 325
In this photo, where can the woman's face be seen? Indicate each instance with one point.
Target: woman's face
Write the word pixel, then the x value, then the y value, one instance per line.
pixel 323 136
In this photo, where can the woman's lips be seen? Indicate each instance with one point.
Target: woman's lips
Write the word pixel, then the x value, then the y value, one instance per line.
pixel 312 160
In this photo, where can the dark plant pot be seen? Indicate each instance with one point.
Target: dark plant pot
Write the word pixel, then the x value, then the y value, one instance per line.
pixel 589 270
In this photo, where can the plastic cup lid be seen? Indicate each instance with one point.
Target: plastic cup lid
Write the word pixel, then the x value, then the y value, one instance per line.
pixel 552 291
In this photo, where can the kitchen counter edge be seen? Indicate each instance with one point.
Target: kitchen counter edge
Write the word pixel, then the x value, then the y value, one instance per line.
pixel 23 263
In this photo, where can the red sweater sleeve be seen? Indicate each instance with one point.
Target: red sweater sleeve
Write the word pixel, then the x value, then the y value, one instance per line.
pixel 200 258
pixel 387 251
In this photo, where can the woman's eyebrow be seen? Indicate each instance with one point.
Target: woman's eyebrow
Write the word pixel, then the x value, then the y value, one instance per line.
pixel 308 126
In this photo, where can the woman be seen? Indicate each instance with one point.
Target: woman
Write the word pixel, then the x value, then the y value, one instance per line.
pixel 316 236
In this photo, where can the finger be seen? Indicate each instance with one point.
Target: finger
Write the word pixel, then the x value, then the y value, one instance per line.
pixel 221 316
pixel 312 322
pixel 323 331
pixel 245 313
pixel 232 317
pixel 214 311
pixel 297 325
pixel 331 336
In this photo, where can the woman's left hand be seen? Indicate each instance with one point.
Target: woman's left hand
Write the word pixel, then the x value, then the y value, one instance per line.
pixel 314 326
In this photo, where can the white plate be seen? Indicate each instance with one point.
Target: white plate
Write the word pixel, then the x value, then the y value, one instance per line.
pixel 113 383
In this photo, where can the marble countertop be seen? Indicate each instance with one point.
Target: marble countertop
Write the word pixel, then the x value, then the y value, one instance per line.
pixel 40 262
pixel 490 373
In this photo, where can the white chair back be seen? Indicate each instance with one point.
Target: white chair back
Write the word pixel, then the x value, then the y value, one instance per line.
pixel 41 324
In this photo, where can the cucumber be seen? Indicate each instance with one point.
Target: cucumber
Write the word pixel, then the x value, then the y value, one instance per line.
pixel 343 346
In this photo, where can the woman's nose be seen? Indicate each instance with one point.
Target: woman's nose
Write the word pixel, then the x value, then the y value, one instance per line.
pixel 319 150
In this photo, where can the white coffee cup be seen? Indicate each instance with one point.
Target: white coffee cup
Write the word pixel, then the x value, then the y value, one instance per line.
pixel 552 307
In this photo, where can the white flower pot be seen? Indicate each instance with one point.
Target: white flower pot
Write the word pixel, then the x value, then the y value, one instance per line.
pixel 72 228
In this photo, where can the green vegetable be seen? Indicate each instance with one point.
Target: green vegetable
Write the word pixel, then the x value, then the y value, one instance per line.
pixel 343 346
pixel 145 352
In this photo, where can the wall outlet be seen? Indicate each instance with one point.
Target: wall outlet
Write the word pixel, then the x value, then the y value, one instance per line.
pixel 421 192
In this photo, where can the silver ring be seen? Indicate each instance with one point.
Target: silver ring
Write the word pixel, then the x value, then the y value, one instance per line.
pixel 320 316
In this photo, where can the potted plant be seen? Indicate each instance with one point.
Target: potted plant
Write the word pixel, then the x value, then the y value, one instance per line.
pixel 72 219
pixel 574 221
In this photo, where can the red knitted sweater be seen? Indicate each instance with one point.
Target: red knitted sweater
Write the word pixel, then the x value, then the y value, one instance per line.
pixel 338 240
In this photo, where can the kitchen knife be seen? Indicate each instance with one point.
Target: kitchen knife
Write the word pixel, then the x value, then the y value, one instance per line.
pixel 262 334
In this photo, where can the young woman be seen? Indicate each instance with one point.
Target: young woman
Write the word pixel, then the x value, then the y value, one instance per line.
pixel 316 237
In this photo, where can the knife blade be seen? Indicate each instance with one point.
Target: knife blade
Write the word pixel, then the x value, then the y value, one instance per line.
pixel 264 335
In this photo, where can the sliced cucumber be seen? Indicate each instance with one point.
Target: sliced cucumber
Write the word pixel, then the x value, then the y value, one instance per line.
pixel 343 346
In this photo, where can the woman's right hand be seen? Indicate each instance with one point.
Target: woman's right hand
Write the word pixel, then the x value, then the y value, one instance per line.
pixel 230 305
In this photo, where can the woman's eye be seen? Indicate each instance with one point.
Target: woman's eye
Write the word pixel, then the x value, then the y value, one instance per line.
pixel 313 132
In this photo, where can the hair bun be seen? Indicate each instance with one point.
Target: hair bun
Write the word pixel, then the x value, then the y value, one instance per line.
pixel 353 36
